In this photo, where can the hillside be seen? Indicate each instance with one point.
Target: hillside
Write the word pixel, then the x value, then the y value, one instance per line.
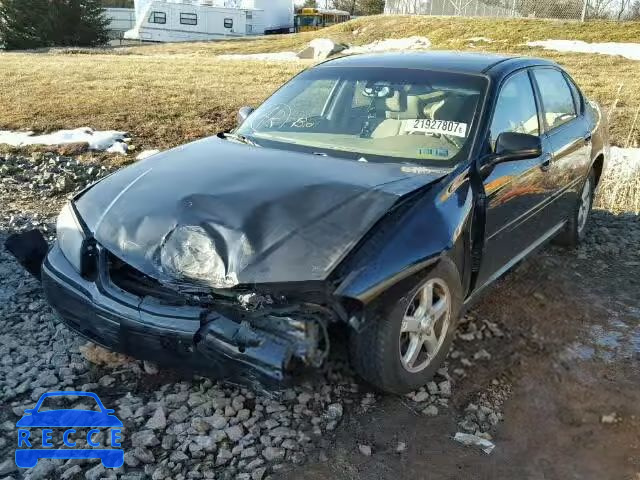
pixel 444 33
pixel 171 93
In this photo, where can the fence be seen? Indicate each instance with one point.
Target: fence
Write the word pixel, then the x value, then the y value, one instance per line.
pixel 560 9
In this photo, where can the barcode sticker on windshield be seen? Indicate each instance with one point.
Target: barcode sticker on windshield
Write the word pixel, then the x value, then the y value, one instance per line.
pixel 442 127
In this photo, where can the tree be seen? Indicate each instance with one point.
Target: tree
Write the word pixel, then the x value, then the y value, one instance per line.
pixel 78 23
pixel 24 24
pixel 623 6
pixel 46 23
pixel 310 4
pixel 117 3
pixel 371 7
pixel 350 6
pixel 634 11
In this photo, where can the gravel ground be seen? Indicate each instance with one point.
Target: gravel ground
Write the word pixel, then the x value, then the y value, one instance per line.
pixel 180 426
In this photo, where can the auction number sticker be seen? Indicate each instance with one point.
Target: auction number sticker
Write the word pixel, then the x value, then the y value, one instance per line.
pixel 442 127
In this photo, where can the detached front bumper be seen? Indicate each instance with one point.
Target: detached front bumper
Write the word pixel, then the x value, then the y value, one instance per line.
pixel 147 329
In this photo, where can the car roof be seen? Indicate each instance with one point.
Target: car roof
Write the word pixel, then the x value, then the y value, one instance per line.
pixel 464 62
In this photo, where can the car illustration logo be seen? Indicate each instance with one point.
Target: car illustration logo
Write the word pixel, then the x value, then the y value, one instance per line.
pixel 63 432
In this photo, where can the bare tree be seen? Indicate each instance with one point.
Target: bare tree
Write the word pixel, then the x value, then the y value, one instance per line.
pixel 634 11
pixel 600 8
pixel 347 5
pixel 623 6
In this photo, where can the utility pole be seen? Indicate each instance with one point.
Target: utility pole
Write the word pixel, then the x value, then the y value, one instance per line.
pixel 584 10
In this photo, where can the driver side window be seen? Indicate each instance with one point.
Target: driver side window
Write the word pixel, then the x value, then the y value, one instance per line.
pixel 516 109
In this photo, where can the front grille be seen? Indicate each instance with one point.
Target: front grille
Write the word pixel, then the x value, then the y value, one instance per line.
pixel 133 281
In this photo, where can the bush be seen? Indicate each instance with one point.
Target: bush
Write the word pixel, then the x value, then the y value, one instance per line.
pixel 28 24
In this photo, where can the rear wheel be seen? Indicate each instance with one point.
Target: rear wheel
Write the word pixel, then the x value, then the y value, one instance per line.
pixel 576 228
pixel 403 347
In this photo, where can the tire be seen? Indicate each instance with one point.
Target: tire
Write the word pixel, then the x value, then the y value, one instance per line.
pixel 575 229
pixel 380 350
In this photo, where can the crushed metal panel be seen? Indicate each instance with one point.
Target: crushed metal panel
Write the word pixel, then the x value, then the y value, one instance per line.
pixel 271 215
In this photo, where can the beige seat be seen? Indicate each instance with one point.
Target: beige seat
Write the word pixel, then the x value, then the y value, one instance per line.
pixel 457 108
pixel 403 106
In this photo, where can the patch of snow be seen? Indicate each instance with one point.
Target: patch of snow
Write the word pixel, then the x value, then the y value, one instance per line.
pixel 146 154
pixel 392 44
pixel 268 57
pixel 627 50
pixel 321 48
pixel 627 156
pixel 108 141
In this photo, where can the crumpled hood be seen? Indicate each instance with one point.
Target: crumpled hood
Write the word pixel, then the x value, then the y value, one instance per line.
pixel 274 215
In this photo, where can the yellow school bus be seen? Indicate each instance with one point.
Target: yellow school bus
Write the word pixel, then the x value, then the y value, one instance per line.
pixel 308 19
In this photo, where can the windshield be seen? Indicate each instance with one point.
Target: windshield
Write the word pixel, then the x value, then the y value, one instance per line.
pixel 381 114
pixel 308 20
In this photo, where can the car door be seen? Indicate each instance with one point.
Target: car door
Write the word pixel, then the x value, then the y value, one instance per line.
pixel 517 192
pixel 567 134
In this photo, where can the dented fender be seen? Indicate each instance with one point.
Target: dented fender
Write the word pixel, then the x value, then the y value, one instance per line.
pixel 415 236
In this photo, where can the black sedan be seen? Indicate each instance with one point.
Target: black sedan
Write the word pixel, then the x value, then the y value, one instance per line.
pixel 384 192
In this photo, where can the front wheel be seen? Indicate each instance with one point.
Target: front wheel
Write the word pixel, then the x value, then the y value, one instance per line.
pixel 576 228
pixel 402 348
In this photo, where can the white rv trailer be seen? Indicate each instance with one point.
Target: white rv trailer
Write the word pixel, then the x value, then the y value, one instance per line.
pixel 191 20
pixel 120 20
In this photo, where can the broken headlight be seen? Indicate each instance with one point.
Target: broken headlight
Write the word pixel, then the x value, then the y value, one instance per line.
pixel 70 236
pixel 188 253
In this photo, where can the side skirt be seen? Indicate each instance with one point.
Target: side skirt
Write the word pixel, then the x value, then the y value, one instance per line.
pixel 539 242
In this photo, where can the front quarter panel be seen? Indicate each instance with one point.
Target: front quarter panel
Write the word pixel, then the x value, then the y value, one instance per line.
pixel 600 133
pixel 410 239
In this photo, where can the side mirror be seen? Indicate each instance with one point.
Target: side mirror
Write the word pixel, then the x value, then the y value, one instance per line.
pixel 512 146
pixel 243 113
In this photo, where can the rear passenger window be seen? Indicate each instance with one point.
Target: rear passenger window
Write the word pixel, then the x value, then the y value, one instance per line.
pixel 577 98
pixel 515 109
pixel 557 99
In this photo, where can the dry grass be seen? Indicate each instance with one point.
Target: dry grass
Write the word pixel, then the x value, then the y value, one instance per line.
pixel 163 101
pixel 444 32
pixel 619 189
pixel 169 94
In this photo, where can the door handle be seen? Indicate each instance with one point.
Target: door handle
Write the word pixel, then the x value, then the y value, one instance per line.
pixel 546 162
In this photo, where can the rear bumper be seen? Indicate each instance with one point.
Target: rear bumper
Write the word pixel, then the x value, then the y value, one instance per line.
pixel 146 329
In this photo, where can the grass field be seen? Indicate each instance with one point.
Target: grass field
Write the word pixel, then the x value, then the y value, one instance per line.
pixel 168 94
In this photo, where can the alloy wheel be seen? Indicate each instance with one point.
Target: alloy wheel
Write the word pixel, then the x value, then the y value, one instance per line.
pixel 425 325
pixel 585 205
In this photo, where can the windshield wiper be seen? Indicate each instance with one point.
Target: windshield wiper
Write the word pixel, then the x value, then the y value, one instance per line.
pixel 239 138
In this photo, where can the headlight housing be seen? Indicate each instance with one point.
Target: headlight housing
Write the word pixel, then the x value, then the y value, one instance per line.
pixel 188 253
pixel 70 236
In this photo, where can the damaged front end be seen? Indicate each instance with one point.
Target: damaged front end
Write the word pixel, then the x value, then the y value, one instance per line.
pixel 238 334
pixel 217 262
pixel 275 330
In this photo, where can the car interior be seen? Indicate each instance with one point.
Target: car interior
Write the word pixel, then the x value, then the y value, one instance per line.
pixel 371 117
